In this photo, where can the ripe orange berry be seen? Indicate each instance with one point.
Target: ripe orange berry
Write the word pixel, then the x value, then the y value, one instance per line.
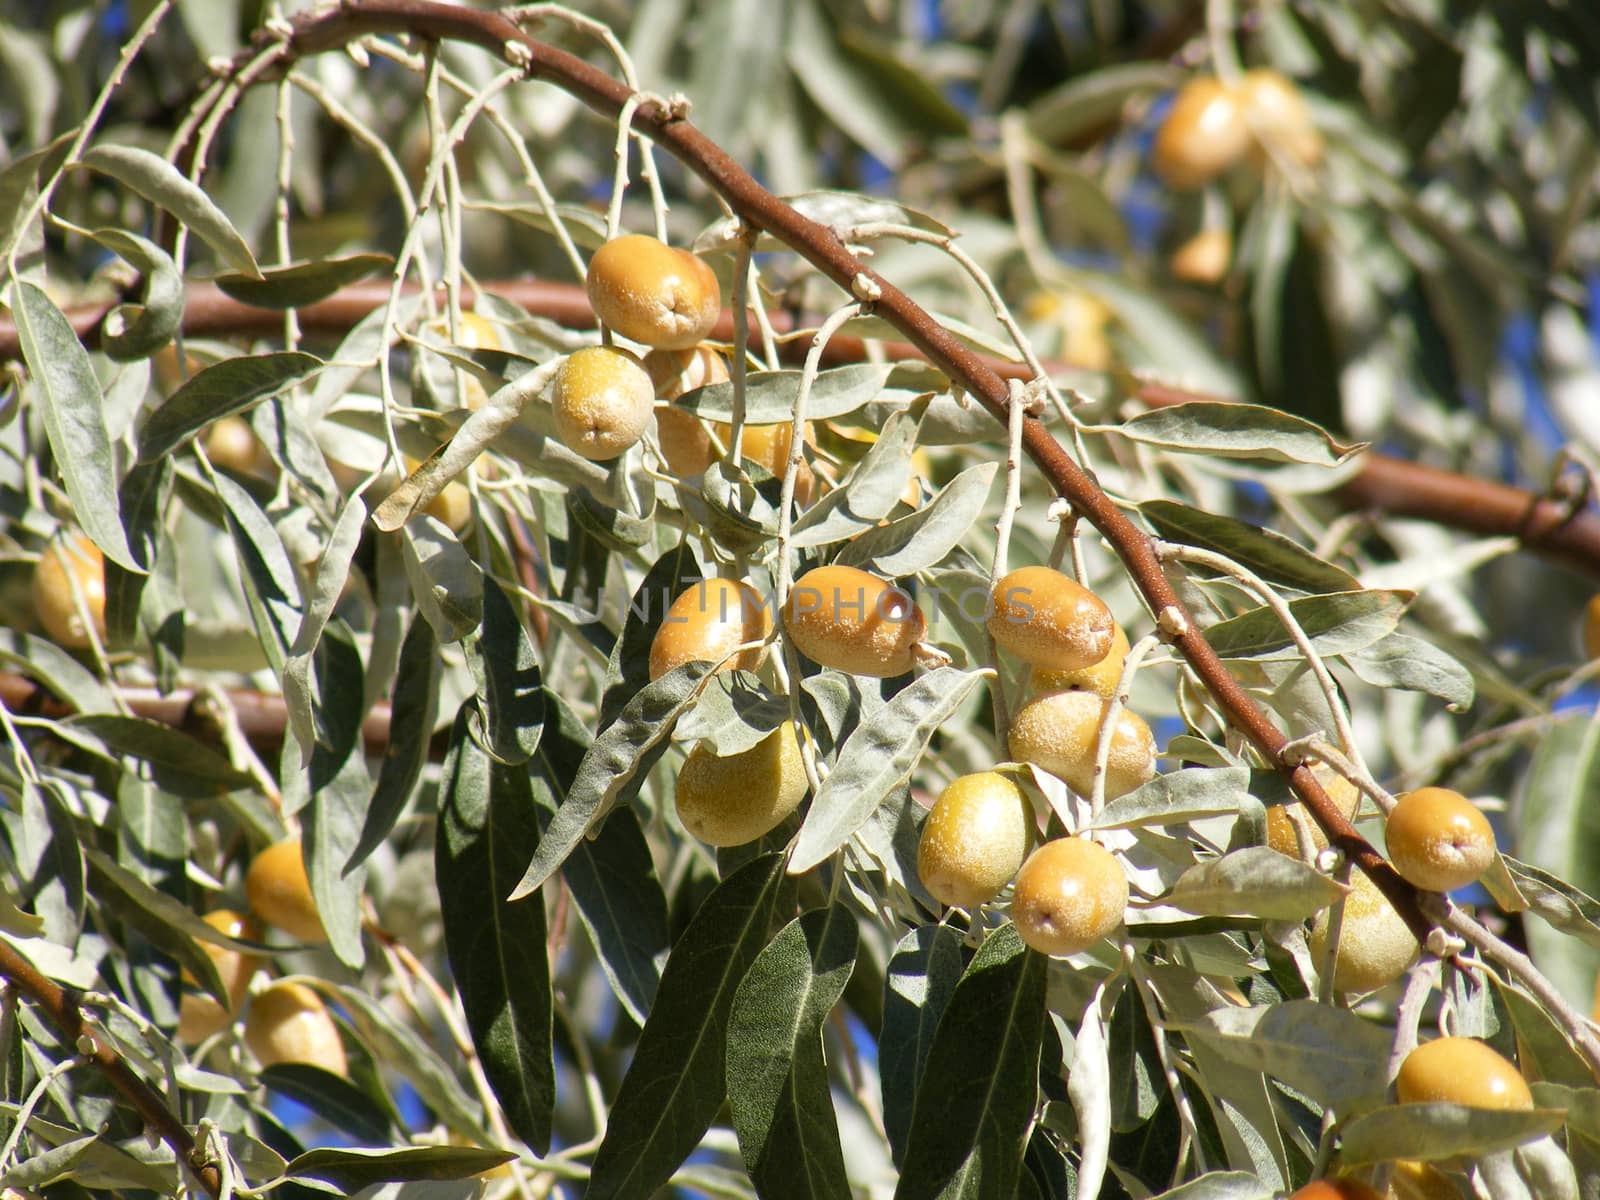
pixel 1278 117
pixel 1204 258
pixel 1438 839
pixel 1375 944
pixel 280 892
pixel 1204 133
pixel 850 620
pixel 71 570
pixel 1069 894
pixel 288 1022
pixel 602 402
pixel 1050 620
pixel 1058 731
pixel 1336 1189
pixel 706 622
pixel 1280 828
pixel 974 839
pixel 232 445
pixel 1420 1181
pixel 1591 628
pixel 1100 678
pixel 685 439
pixel 200 1015
pixel 653 293
pixel 733 800
pixel 1461 1071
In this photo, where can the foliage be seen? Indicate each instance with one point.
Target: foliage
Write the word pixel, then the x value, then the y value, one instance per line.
pixel 409 625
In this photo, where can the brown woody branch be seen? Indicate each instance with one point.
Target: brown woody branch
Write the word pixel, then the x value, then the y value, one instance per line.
pixel 61 1008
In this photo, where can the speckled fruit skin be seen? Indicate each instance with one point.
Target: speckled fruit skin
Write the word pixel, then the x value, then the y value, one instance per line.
pixel 733 800
pixel 199 1014
pixel 280 892
pixel 1050 620
pixel 1438 840
pixel 769 446
pixel 1204 258
pixel 653 293
pixel 232 445
pixel 1336 1189
pixel 1375 944
pixel 602 402
pixel 850 620
pixel 1278 117
pixel 288 1022
pixel 1280 829
pixel 1069 894
pixel 706 622
pixel 974 839
pixel 1461 1071
pixel 1100 678
pixel 1058 730
pixel 1591 628
pixel 70 559
pixel 1204 133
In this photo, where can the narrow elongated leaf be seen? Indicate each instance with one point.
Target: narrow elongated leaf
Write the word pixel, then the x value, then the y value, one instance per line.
pixel 978 1094
pixel 1340 623
pixel 876 758
pixel 1256 881
pixel 770 395
pixel 67 678
pixel 299 284
pixel 158 181
pixel 921 539
pixel 1430 1132
pixel 629 669
pixel 167 922
pixel 733 713
pixel 178 761
pixel 1270 555
pixel 1190 794
pixel 1403 661
pixel 271 588
pixel 332 1097
pixel 496 946
pixel 777 1079
pixel 412 713
pixel 446 582
pixel 1330 1054
pixel 1221 429
pixel 613 769
pixel 921 978
pixel 611 875
pixel 333 817
pixel 1562 906
pixel 133 331
pixel 676 1081
pixel 1089 1089
pixel 352 1170
pixel 1221 1185
pixel 510 711
pixel 220 390
pixel 70 401
pixel 333 572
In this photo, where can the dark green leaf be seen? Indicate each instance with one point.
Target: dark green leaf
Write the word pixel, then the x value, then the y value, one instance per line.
pixel 412 712
pixel 299 284
pixel 222 389
pixel 510 712
pixel 352 1170
pixel 497 946
pixel 158 181
pixel 271 587
pixel 978 1093
pixel 169 923
pixel 177 760
pixel 777 1079
pixel 676 1081
pixel 333 1098
pixel 921 978
pixel 629 669
pixel 1340 623
pixel 1270 555
pixel 134 331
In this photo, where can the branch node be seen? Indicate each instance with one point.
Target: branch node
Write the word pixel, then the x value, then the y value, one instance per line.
pixel 865 288
pixel 358 54
pixel 1171 622
pixel 1060 509
pixel 1443 944
pixel 679 106
pixel 517 54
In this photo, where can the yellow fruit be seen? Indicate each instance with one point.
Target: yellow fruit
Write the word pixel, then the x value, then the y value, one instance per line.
pixel 280 892
pixel 1100 678
pixel 1278 117
pixel 1336 1189
pixel 1069 894
pixel 1591 628
pixel 453 506
pixel 200 1015
pixel 653 293
pixel 733 800
pixel 1204 258
pixel 1438 839
pixel 233 445
pixel 1420 1181
pixel 71 570
pixel 847 619
pixel 1050 620
pixel 674 372
pixel 769 446
pixel 974 839
pixel 288 1022
pixel 685 439
pixel 706 622
pixel 1080 322
pixel 1204 133
pixel 472 333
pixel 602 402
pixel 1058 731
pixel 1460 1070
pixel 1280 829
pixel 1375 944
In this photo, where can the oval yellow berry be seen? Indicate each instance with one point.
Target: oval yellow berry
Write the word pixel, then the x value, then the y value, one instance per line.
pixel 1459 1070
pixel 974 839
pixel 280 892
pixel 288 1022
pixel 1591 628
pixel 1204 133
pixel 1100 678
pixel 1204 258
pixel 850 620
pixel 199 1014
pixel 1278 117
pixel 706 622
pixel 733 800
pixel 1438 839
pixel 70 571
pixel 1280 827
pixel 602 402
pixel 653 293
pixel 1375 944
pixel 1050 620
pixel 1069 894
pixel 1058 731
